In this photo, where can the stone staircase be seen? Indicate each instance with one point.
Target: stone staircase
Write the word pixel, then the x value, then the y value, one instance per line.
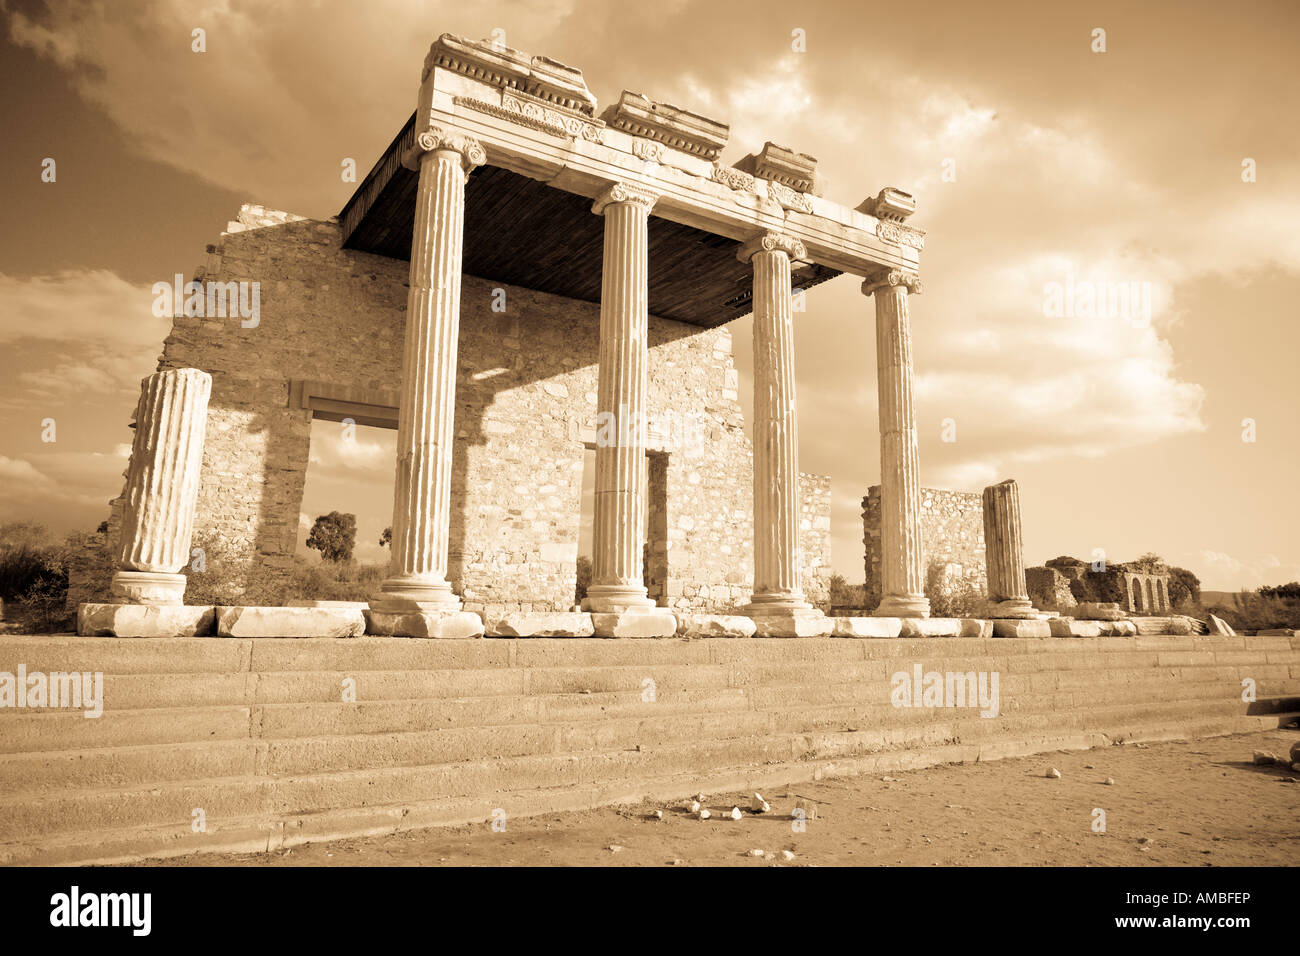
pixel 255 738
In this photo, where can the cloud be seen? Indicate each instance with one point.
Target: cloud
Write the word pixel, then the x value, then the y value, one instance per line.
pixel 76 334
pixel 1225 572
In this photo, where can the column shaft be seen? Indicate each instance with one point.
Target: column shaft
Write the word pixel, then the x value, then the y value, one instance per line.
pixel 776 439
pixel 1003 549
pixel 162 486
pixel 618 533
pixel 902 564
pixel 425 434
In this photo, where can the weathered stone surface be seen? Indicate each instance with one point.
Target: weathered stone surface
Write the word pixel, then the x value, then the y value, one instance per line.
pixel 1279 632
pixel 678 128
pixel 1003 551
pixel 1092 611
pixel 1010 628
pixel 302 602
pixel 715 625
pixel 252 621
pixel 426 412
pixel 1069 627
pixel 452 625
pixel 144 620
pixel 952 542
pixel 618 535
pixel 776 430
pixel 634 622
pixel 794 625
pixel 975 627
pixel 931 627
pixel 256 450
pixel 903 574
pixel 148 587
pixel 1123 628
pixel 867 626
pixel 162 481
pixel 1049 588
pixel 1218 625
pixel 553 624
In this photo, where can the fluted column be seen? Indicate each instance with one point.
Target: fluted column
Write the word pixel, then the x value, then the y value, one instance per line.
pixel 1003 550
pixel 776 432
pixel 618 533
pixel 162 486
pixel 422 489
pixel 902 566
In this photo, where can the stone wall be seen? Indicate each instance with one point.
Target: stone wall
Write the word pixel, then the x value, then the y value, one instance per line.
pixel 525 413
pixel 952 539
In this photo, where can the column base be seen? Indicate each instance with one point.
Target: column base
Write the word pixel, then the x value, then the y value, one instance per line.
pixel 903 605
pixel 415 595
pixel 616 598
pixel 148 587
pixel 1015 609
pixel 450 624
pixel 780 603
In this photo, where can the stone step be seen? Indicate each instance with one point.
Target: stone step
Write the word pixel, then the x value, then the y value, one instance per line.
pixel 477 786
pixel 127 766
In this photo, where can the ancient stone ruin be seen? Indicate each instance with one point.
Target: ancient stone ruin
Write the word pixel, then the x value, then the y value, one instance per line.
pixel 521 278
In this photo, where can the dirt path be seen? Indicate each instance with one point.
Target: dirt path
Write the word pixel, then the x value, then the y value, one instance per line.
pixel 1195 803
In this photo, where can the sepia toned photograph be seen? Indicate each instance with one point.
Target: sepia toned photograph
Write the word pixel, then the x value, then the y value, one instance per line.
pixel 579 435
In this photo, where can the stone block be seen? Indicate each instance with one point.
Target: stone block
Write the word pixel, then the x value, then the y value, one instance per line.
pixel 1278 632
pixel 302 602
pixel 975 627
pixel 451 625
pixel 145 620
pixel 715 625
pixel 867 627
pixel 1022 629
pixel 260 621
pixel 1093 611
pixel 794 625
pixel 1123 629
pixel 931 627
pixel 1218 625
pixel 1069 627
pixel 634 622
pixel 557 624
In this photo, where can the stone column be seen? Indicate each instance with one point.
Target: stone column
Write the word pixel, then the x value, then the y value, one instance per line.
pixel 1003 551
pixel 776 431
pixel 162 485
pixel 617 595
pixel 902 568
pixel 416 599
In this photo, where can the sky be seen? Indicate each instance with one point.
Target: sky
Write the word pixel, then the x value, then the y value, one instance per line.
pixel 1167 164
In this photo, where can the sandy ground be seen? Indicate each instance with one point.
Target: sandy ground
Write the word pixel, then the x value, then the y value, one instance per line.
pixel 1199 802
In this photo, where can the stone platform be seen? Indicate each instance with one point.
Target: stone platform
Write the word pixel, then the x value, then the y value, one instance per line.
pixel 264 736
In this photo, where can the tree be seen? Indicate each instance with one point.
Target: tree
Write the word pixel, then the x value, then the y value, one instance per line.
pixel 1287 592
pixel 334 535
pixel 1149 563
pixel 386 539
pixel 1184 586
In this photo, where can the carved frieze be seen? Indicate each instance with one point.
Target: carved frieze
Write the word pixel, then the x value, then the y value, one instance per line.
pixel 663 123
pixel 536 114
pixel 732 177
pixel 900 235
pixel 788 198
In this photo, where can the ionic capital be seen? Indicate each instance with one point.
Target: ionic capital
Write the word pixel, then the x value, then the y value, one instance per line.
pixel 771 242
pixel 471 151
pixel 890 278
pixel 623 192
